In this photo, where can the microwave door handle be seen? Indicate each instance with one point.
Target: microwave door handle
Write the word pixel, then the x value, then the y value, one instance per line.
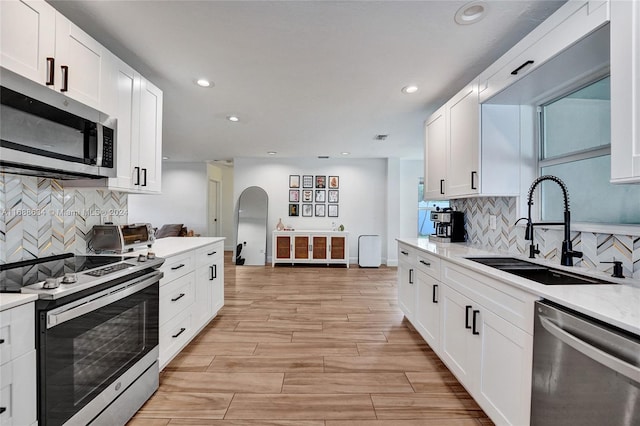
pixel 616 364
pixel 100 136
pixel 61 315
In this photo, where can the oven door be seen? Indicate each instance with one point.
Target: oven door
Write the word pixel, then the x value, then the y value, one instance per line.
pixel 88 344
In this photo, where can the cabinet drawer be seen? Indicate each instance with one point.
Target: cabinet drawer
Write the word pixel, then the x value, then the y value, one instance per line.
pixel 209 255
pixel 176 296
pixel 174 335
pixel 406 254
pixel 18 390
pixel 177 266
pixel 17 329
pixel 428 264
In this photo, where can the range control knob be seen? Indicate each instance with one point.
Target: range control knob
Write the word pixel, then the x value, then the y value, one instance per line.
pixel 142 258
pixel 50 283
pixel 69 278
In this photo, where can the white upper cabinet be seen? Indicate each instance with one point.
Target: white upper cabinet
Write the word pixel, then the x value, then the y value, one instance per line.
pixel 625 91
pixel 44 46
pixel 435 152
pixel 150 143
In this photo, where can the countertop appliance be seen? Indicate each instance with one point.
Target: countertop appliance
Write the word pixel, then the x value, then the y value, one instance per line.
pixel 110 238
pixel 449 226
pixel 585 372
pixel 44 133
pixel 96 334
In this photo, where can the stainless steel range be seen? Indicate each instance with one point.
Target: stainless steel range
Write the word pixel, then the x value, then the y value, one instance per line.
pixel 96 334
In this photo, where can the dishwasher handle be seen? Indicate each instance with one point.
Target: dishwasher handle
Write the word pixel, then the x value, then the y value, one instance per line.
pixel 616 364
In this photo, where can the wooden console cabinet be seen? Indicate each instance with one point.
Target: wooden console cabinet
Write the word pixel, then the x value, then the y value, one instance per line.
pixel 323 247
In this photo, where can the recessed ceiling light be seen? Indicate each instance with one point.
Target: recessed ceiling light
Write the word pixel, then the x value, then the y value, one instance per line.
pixel 203 82
pixel 345 153
pixel 272 153
pixel 471 13
pixel 165 158
pixel 410 89
pixel 233 118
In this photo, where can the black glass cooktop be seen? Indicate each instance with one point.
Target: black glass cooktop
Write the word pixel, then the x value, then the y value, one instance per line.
pixel 13 276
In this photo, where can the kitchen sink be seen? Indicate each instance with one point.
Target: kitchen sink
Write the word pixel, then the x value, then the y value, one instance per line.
pixel 538 273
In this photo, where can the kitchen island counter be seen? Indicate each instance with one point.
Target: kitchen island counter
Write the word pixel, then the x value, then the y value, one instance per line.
pixel 11 300
pixel 171 246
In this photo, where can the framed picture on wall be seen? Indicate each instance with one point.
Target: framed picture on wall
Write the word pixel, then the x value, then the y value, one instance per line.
pixel 307 195
pixel 293 210
pixel 307 210
pixel 333 210
pixel 294 181
pixel 334 182
pixel 333 195
pixel 294 195
pixel 320 196
pixel 320 208
pixel 321 181
pixel 307 181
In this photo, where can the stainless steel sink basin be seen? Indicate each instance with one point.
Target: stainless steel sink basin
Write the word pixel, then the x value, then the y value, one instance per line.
pixel 538 273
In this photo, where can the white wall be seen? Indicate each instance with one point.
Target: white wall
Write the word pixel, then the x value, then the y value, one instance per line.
pixel 363 194
pixel 183 198
pixel 410 173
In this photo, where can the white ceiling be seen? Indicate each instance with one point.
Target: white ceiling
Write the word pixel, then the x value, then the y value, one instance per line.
pixel 306 78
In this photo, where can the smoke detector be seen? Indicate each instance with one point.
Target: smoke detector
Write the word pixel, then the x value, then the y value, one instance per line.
pixel 380 137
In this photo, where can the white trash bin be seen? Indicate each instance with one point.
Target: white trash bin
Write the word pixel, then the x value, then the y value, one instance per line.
pixel 369 251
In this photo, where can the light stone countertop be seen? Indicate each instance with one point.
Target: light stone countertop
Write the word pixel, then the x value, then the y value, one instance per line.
pixel 170 246
pixel 616 304
pixel 11 300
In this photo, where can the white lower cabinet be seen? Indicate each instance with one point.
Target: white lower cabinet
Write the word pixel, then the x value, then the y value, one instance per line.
pixel 191 294
pixel 406 289
pixel 18 366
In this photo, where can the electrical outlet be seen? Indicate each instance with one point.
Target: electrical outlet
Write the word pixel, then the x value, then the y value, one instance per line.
pixel 492 221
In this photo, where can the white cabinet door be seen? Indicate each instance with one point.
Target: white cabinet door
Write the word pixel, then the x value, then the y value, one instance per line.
pixel 435 161
pixel 427 315
pixel 27 39
pixel 82 65
pixel 150 145
pixel 457 346
pixel 18 390
pixel 625 91
pixel 503 353
pixel 406 289
pixel 464 142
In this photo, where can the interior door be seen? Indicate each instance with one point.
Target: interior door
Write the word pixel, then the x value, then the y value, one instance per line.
pixel 214 208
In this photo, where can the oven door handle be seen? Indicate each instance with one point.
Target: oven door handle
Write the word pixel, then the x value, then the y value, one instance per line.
pixel 91 303
pixel 628 370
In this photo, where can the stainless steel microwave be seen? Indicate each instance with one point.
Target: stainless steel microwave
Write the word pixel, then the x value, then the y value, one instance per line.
pixel 45 133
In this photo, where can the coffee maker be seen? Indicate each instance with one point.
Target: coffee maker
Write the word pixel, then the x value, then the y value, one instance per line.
pixel 449 226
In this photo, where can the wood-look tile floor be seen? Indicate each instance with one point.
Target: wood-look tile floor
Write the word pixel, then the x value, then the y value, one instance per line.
pixel 309 346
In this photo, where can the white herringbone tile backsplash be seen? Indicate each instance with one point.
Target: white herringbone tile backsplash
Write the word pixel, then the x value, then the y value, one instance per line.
pixel 41 218
pixel 507 238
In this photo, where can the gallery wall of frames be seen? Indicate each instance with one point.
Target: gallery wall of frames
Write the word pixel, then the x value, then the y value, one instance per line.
pixel 314 195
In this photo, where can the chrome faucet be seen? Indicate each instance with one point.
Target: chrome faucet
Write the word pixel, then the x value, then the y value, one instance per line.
pixel 568 253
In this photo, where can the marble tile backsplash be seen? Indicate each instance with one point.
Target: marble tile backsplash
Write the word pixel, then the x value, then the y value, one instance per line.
pixel 506 238
pixel 41 218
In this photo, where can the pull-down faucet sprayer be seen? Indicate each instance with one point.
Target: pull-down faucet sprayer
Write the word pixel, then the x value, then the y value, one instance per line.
pixel 568 253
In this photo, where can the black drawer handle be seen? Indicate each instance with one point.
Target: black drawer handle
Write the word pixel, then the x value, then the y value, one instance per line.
pixel 517 70
pixel 473 184
pixel 425 263
pixel 50 70
pixel 466 316
pixel 182 330
pixel 178 267
pixel 433 296
pixel 65 78
pixel 3 409
pixel 1 341
pixel 212 253
pixel 442 186
pixel 213 272
pixel 406 253
pixel 411 276
pixel 475 318
pixel 178 298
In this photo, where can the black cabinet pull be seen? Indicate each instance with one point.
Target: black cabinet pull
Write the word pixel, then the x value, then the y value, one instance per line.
pixel 425 263
pixel 406 253
pixel 475 317
pixel 137 169
pixel 410 276
pixel 177 267
pixel 51 66
pixel 212 253
pixel 144 172
pixel 1 341
pixel 65 78
pixel 517 70
pixel 433 297
pixel 182 330
pixel 178 298
pixel 473 185
pixel 466 316
pixel 3 409
pixel 213 269
pixel 442 186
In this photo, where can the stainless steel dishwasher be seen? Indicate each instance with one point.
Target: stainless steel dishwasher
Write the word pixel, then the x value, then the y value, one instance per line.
pixel 585 372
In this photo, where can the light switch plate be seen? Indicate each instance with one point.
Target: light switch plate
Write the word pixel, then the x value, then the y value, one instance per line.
pixel 492 221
